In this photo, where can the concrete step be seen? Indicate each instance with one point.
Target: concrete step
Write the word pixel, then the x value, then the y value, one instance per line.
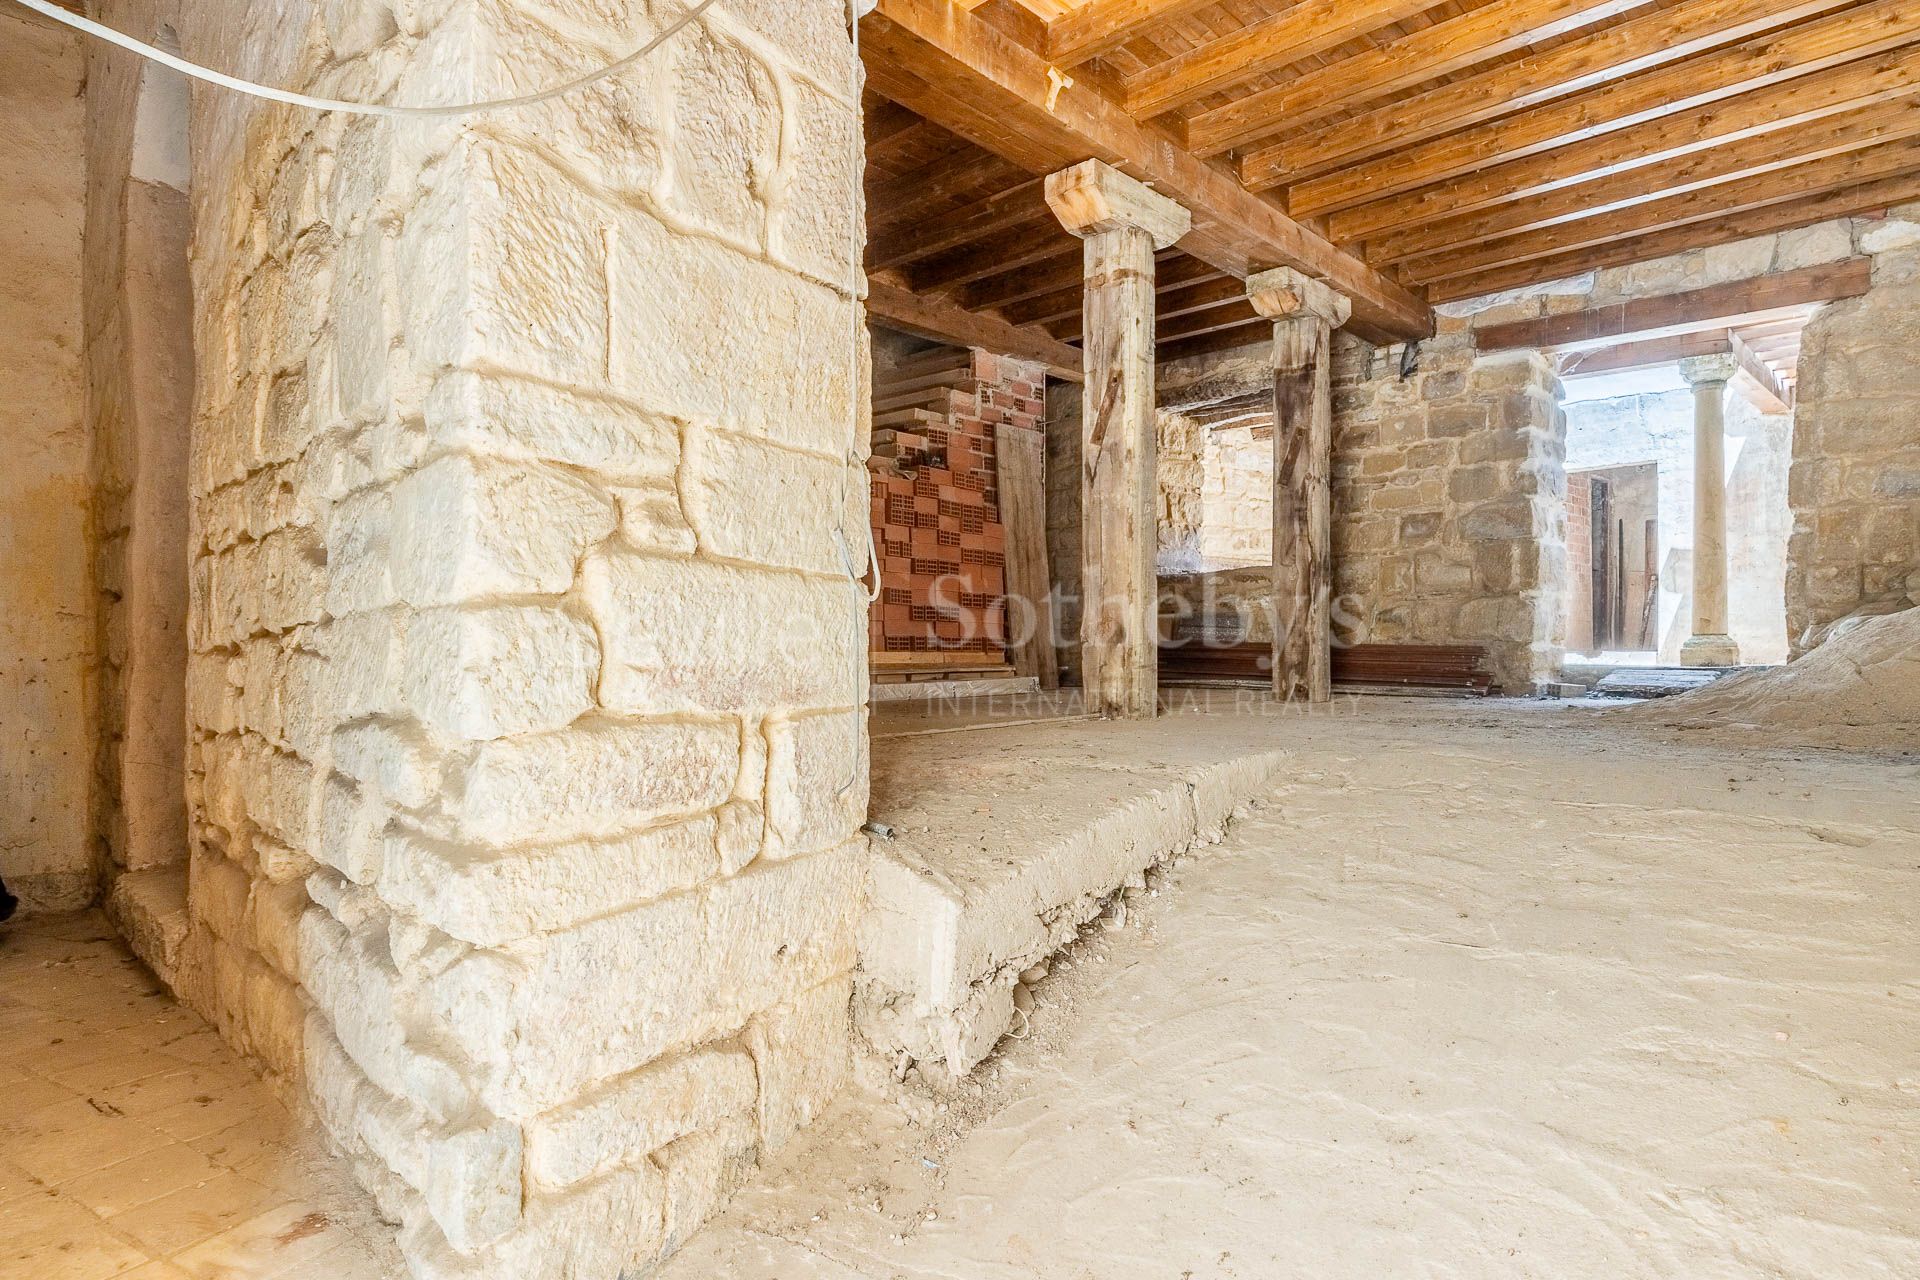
pixel 921 690
pixel 1008 840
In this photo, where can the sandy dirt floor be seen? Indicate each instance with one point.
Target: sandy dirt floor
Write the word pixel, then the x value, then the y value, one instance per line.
pixel 1515 991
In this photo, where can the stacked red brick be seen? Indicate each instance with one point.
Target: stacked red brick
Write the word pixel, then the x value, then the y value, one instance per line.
pixel 935 508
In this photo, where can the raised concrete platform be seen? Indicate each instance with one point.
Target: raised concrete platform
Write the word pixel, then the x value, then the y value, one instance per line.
pixel 1008 839
pixel 923 690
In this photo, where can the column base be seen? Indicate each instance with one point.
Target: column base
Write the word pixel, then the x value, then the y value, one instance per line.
pixel 1710 651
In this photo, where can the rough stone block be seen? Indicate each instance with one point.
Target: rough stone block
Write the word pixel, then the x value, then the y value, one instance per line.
pixel 801 1051
pixel 702 1172
pixel 688 635
pixel 751 501
pixel 493 898
pixel 597 778
pixel 744 944
pixel 816 782
pixel 487 672
pixel 464 528
pixel 508 417
pixel 622 1122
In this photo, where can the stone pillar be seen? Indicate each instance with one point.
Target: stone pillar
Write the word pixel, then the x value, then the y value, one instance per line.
pixel 1305 313
pixel 1710 645
pixel 1123 223
pixel 527 747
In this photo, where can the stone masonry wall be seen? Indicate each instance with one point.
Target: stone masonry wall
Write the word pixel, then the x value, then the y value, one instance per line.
pixel 1236 498
pixel 527 748
pixel 1449 491
pixel 1855 485
pixel 47 640
pixel 1856 537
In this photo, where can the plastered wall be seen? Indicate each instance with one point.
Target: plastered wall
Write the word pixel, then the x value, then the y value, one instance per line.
pixel 138 398
pixel 47 639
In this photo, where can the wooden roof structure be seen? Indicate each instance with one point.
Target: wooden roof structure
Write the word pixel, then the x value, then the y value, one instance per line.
pixel 1408 152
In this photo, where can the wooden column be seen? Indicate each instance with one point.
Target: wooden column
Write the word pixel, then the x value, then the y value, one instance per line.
pixel 1123 223
pixel 1305 313
pixel 1710 645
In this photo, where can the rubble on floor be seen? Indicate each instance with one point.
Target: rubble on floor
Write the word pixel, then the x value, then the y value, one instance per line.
pixel 1859 691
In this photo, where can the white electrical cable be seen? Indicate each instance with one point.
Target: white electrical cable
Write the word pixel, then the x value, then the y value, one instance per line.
pixel 225 81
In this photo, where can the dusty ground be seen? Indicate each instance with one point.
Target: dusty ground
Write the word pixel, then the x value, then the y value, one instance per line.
pixel 1480 992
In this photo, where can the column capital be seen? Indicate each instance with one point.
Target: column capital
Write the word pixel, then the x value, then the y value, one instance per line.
pixel 1707 370
pixel 1093 196
pixel 1286 294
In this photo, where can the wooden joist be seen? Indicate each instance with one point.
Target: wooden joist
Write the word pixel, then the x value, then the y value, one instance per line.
pixel 942 321
pixel 1771 59
pixel 1720 306
pixel 1102 25
pixel 956 69
pixel 1717 202
pixel 1691 171
pixel 1868 198
pixel 997 214
pixel 1884 78
pixel 1293 34
pixel 1439 50
pixel 1648 40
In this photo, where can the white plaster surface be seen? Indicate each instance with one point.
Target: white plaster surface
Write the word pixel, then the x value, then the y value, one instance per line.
pixel 1477 993
pixel 46 623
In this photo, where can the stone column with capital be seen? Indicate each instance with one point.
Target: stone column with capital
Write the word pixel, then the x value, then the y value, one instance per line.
pixel 1305 313
pixel 1710 645
pixel 1123 222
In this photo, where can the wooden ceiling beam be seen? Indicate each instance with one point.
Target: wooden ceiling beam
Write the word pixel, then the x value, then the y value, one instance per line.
pixel 1439 50
pixel 1771 59
pixel 1758 382
pixel 1064 304
pixel 1886 77
pixel 1649 40
pixel 990 217
pixel 1300 31
pixel 1068 271
pixel 1868 198
pixel 1173 304
pixel 940 320
pixel 1199 324
pixel 1650 353
pixel 1722 306
pixel 1697 171
pixel 973 79
pixel 925 193
pixel 1259 329
pixel 1101 26
pixel 949 271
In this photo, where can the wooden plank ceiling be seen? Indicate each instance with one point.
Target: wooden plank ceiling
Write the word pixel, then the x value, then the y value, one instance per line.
pixel 1422 151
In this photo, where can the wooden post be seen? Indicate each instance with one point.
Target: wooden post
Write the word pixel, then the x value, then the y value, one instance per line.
pixel 1020 456
pixel 1123 223
pixel 1305 313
